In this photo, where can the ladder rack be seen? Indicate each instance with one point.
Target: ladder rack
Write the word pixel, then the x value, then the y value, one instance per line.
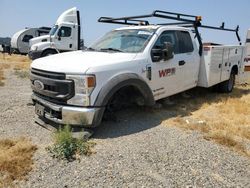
pixel 184 20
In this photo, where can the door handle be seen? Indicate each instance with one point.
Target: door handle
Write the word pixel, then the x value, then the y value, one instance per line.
pixel 182 63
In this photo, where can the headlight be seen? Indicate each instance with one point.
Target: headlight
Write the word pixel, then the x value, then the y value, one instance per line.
pixel 84 85
pixel 33 48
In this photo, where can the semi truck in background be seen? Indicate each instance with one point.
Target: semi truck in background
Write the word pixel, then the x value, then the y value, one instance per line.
pixel 138 64
pixel 64 36
pixel 20 40
pixel 247 58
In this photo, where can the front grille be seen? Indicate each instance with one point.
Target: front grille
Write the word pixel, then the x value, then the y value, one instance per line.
pixel 51 99
pixel 47 74
pixel 55 88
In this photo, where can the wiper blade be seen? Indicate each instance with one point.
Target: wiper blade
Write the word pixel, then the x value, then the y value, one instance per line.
pixel 111 49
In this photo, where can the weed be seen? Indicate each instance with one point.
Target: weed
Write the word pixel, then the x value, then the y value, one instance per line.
pixel 22 73
pixel 67 147
pixel 1 78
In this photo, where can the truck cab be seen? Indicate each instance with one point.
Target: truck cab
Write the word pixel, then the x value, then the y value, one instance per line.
pixel 140 64
pixel 64 36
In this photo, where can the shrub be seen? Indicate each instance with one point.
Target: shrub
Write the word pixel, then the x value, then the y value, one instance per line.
pixel 67 147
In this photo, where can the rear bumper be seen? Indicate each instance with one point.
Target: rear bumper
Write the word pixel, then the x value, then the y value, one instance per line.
pixel 81 116
pixel 34 54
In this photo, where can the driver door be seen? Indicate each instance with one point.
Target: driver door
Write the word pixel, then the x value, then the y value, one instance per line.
pixel 64 40
pixel 164 81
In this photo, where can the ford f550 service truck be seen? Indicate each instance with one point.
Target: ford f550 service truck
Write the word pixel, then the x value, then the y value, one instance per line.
pixel 141 62
pixel 63 37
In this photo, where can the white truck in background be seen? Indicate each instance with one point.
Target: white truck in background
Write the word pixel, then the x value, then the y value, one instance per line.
pixel 63 37
pixel 247 58
pixel 20 40
pixel 141 64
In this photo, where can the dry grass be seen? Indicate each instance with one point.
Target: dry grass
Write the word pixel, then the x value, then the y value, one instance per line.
pixel 3 66
pixel 19 63
pixel 223 118
pixel 14 58
pixel 15 160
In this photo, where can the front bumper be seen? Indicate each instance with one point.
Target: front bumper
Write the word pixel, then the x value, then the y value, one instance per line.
pixel 81 116
pixel 34 54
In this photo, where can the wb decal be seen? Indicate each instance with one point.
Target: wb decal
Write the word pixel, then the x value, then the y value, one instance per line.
pixel 166 72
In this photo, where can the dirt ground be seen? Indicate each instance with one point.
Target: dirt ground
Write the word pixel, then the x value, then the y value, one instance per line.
pixel 145 147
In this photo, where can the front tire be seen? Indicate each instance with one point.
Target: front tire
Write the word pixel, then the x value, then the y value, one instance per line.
pixel 227 86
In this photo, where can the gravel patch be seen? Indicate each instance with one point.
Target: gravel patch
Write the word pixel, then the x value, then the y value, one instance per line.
pixel 136 151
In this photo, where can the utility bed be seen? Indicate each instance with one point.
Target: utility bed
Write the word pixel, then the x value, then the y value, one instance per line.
pixel 217 61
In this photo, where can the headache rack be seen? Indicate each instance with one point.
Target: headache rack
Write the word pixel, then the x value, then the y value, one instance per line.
pixel 184 20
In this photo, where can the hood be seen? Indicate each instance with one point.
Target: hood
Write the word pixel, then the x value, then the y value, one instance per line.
pixel 78 62
pixel 36 40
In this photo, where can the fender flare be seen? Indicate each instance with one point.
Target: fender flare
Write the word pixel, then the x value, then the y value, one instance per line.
pixel 115 84
pixel 48 49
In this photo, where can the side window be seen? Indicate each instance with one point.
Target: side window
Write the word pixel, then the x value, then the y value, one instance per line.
pixel 64 31
pixel 167 36
pixel 26 38
pixel 41 33
pixel 184 42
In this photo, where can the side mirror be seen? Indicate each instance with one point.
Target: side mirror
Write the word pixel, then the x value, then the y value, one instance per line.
pixel 168 51
pixel 165 52
pixel 156 54
pixel 59 34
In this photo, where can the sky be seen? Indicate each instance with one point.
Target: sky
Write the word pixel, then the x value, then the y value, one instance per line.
pixel 18 14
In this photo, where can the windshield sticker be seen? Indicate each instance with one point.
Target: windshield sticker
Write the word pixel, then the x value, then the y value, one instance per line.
pixel 144 33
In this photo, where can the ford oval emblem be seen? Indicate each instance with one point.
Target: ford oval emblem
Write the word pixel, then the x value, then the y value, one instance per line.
pixel 38 85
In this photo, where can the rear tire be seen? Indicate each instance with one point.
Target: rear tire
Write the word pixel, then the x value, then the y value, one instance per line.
pixel 48 53
pixel 227 86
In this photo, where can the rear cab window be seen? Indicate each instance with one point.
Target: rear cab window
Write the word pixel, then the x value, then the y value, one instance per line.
pixel 185 42
pixel 181 41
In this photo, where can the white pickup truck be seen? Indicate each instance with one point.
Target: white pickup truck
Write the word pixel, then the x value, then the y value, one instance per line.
pixel 141 63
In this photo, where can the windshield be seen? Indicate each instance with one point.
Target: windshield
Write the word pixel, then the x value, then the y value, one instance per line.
pixel 53 30
pixel 129 40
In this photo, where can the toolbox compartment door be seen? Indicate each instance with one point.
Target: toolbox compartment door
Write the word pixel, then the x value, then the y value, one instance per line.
pixel 225 69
